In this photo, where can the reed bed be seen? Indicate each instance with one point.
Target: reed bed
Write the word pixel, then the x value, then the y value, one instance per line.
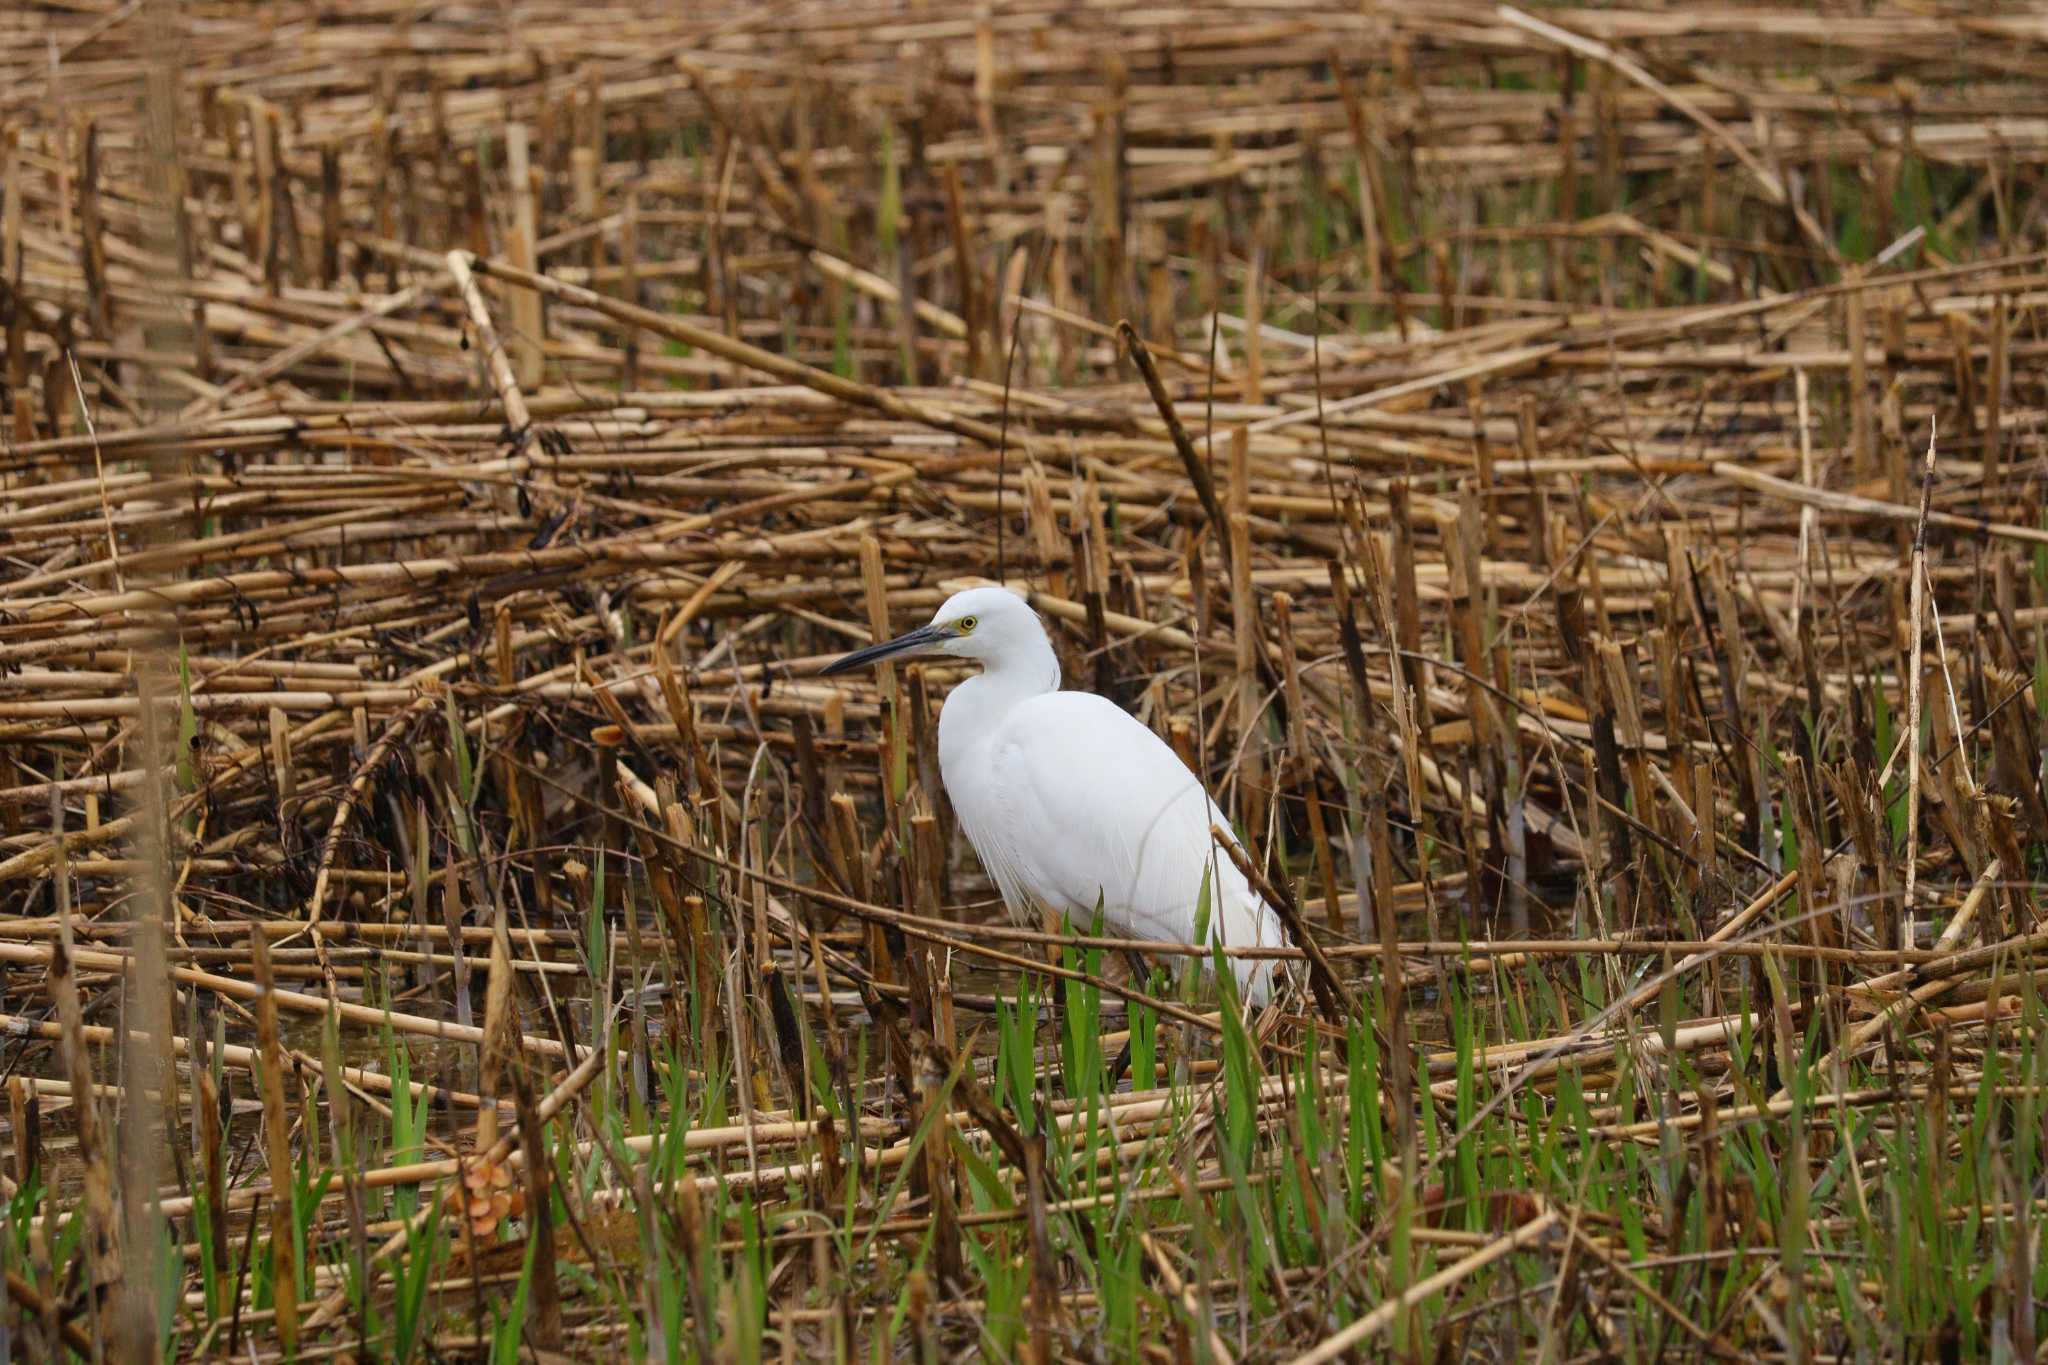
pixel 1570 481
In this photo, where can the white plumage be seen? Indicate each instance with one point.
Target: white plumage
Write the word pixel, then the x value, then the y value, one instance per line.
pixel 1070 801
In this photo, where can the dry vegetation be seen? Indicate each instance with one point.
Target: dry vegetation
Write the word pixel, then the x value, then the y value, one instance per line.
pixel 1577 498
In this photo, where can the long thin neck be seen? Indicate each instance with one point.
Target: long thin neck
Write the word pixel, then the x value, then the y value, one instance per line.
pixel 1028 670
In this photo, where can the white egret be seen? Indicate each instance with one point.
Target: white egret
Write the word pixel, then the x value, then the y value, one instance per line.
pixel 1069 801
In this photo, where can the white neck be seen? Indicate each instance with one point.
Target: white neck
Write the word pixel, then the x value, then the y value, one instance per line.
pixel 976 707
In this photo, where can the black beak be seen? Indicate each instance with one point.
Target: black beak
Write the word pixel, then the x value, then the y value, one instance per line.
pixel 917 641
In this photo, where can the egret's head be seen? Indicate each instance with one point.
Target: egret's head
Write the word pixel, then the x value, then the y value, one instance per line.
pixel 988 624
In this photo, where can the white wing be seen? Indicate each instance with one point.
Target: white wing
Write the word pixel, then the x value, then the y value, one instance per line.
pixel 1094 805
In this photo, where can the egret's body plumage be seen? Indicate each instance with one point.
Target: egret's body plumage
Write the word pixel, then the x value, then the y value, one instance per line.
pixel 1069 801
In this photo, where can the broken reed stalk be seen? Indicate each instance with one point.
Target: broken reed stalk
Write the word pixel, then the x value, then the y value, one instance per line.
pixel 277 1152
pixel 1915 627
pixel 104 1252
pixel 1183 446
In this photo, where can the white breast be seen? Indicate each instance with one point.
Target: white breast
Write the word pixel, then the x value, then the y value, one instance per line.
pixel 1071 804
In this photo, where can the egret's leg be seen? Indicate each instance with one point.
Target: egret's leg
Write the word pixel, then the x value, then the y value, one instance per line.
pixel 1049 922
pixel 1140 973
pixel 1120 1068
pixel 1141 970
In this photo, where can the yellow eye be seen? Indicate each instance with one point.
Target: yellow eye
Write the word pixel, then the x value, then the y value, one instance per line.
pixel 966 625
